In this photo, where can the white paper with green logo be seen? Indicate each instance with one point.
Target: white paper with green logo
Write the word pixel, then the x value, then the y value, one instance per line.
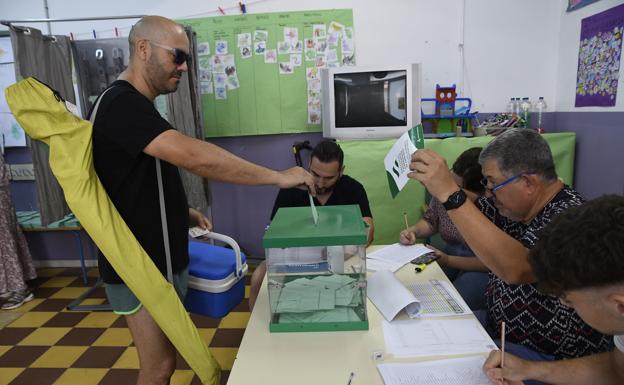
pixel 398 159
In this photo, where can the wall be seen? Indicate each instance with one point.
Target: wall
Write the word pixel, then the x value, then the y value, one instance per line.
pixel 427 31
pixel 487 47
pixel 599 129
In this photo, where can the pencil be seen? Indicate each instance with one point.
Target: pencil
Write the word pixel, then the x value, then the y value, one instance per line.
pixel 502 344
pixel 405 218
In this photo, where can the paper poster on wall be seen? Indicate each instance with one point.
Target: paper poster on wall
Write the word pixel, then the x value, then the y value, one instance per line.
pixel 573 5
pixel 6 50
pixel 600 52
pixel 263 88
pixel 11 133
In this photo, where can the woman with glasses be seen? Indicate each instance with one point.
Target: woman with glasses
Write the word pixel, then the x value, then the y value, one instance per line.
pixel 469 275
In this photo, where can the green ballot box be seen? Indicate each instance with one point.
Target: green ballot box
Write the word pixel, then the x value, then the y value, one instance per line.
pixel 316 272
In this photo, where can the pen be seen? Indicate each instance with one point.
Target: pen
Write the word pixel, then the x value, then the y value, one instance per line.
pixel 421 267
pixel 502 344
pixel 350 378
pixel 405 218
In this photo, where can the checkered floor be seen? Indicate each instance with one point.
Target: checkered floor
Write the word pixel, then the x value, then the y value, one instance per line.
pixel 48 345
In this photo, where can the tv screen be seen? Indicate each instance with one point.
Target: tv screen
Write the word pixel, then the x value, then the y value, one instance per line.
pixel 367 99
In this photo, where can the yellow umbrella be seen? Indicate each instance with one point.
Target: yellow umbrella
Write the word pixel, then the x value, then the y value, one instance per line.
pixel 45 117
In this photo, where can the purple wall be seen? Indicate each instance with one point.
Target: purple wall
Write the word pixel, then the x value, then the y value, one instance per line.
pixel 243 212
pixel 23 192
pixel 599 150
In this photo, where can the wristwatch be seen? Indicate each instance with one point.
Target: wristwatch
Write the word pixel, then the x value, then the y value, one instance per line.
pixel 455 200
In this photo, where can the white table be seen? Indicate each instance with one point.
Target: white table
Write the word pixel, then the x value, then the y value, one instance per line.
pixel 315 358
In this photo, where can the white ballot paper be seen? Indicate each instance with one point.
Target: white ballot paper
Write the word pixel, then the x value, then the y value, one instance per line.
pixel 456 371
pixel 379 264
pixel 390 296
pixel 436 337
pixel 398 160
pixel 398 253
pixel 314 211
pixel 197 231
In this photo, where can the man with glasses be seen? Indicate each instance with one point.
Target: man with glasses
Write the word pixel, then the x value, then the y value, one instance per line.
pixel 523 194
pixel 128 135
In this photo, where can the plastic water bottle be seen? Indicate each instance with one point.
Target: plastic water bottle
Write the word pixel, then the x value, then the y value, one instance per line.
pixel 517 106
pixel 540 107
pixel 511 105
pixel 525 107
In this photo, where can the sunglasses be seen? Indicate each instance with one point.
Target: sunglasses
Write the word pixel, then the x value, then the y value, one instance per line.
pixel 179 56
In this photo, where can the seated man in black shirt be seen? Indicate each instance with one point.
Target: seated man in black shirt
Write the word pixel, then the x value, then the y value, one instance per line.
pixel 333 188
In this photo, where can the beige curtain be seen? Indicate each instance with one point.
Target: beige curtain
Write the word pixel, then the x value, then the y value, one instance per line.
pixel 185 114
pixel 47 58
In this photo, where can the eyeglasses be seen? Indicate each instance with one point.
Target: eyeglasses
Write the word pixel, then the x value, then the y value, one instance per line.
pixel 179 56
pixel 499 186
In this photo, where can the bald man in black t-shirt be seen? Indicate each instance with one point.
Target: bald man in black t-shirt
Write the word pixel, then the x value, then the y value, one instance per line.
pixel 128 136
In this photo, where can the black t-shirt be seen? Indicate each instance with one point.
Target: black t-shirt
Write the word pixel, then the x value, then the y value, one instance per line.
pixel 125 124
pixel 347 191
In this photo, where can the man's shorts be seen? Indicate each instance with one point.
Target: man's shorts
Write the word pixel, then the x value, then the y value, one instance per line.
pixel 124 302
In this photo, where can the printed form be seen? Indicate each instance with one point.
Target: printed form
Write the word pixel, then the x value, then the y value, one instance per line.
pixel 457 371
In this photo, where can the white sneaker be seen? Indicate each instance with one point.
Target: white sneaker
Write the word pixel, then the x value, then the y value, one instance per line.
pixel 17 299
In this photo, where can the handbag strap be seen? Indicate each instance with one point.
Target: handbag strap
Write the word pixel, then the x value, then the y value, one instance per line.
pixel 163 220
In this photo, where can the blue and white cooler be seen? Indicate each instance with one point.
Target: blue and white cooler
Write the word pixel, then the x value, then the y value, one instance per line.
pixel 216 277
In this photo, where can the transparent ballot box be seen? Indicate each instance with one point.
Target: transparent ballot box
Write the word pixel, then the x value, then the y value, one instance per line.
pixel 316 273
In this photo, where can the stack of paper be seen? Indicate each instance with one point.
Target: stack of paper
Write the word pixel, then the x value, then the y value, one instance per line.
pixel 326 298
pixel 431 337
pixel 457 371
pixel 390 296
pixel 394 257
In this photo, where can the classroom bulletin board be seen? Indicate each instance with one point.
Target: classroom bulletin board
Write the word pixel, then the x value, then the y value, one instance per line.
pixel 259 73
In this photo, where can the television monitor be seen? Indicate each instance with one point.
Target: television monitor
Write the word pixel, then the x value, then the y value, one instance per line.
pixel 370 102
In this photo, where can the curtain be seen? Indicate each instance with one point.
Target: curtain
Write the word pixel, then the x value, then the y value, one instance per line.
pixel 48 58
pixel 185 114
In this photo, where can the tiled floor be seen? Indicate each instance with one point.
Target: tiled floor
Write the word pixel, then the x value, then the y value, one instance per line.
pixel 42 343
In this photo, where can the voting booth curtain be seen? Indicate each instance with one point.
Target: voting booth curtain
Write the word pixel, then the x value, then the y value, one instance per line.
pixel 185 114
pixel 47 58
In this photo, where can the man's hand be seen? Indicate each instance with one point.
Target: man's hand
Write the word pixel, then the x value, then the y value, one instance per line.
pixel 196 218
pixel 431 170
pixel 296 177
pixel 515 370
pixel 407 237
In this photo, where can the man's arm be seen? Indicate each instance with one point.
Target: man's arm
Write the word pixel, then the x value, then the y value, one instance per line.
pixel 371 230
pixel 210 161
pixel 197 218
pixel 502 254
pixel 603 368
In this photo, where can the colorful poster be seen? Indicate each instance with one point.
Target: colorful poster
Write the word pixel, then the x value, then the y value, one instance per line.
pixel 599 58
pixel 254 73
pixel 573 5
